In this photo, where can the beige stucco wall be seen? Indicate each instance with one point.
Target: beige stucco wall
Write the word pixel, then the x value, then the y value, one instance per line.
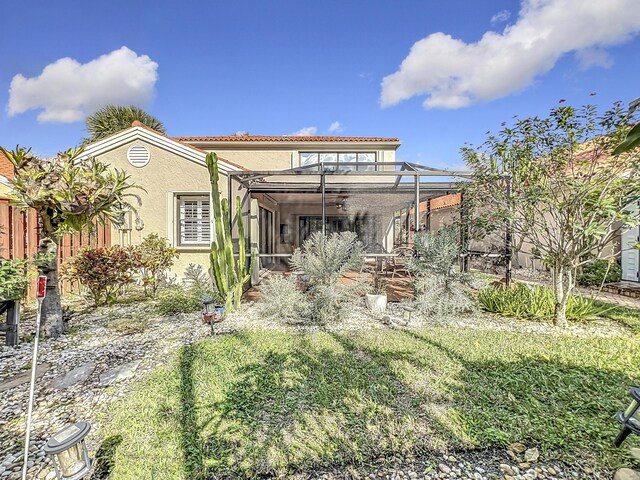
pixel 4 190
pixel 165 175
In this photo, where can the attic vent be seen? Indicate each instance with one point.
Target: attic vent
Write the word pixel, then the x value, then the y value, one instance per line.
pixel 138 155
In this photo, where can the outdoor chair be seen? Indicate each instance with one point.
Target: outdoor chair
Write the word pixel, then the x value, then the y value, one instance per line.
pixel 397 262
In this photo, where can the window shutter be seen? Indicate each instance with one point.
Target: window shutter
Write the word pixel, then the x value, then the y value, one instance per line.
pixel 195 227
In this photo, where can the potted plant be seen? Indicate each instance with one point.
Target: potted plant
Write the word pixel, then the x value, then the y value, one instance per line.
pixel 377 298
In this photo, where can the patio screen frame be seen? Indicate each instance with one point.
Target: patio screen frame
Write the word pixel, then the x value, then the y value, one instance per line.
pixel 257 181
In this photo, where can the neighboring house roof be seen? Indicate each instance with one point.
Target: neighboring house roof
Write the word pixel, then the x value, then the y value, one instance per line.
pixel 287 139
pixel 139 131
pixel 6 167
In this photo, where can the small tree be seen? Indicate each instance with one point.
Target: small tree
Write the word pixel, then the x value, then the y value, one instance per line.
pixel 114 118
pixel 568 194
pixel 155 256
pixel 69 194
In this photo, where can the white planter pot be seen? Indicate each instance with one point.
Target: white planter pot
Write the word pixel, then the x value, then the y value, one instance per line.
pixel 376 303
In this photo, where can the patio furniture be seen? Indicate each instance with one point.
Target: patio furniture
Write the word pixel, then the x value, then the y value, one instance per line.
pixel 396 261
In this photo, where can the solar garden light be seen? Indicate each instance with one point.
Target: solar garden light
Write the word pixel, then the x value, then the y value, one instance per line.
pixel 630 418
pixel 68 452
pixel 211 311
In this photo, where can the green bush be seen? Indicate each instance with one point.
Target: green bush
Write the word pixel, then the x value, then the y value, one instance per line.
pixel 155 257
pixel 536 302
pixel 179 300
pixel 441 289
pixel 282 299
pixel 594 273
pixel 324 259
pixel 101 272
pixel 13 279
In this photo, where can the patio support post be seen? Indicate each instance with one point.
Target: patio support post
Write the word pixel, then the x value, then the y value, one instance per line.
pixel 324 203
pixel 508 238
pixel 464 232
pixel 417 203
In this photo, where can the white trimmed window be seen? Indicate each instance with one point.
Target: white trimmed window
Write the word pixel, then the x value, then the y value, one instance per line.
pixel 195 220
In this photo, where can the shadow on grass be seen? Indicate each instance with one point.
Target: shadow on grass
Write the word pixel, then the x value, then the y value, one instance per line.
pixel 313 401
pixel 105 457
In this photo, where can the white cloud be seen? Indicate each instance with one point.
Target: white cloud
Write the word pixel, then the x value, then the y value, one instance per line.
pixel 305 132
pixel 335 127
pixel 500 17
pixel 68 91
pixel 455 74
pixel 593 57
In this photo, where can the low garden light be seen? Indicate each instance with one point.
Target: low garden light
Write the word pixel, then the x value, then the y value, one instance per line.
pixel 630 418
pixel 211 311
pixel 68 452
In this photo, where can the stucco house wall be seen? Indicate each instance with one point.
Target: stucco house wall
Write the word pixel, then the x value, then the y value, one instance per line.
pixel 165 176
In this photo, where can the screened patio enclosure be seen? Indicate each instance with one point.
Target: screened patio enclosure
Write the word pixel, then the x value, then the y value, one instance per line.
pixel 383 203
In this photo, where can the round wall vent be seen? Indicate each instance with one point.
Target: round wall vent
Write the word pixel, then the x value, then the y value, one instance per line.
pixel 138 155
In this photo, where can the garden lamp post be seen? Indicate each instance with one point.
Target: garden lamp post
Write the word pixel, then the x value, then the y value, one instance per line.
pixel 630 418
pixel 68 452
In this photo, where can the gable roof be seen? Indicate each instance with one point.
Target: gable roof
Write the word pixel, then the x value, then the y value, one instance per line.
pixel 139 131
pixel 288 139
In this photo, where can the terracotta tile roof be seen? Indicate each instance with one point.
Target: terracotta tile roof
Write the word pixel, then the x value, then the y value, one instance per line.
pixel 6 167
pixel 287 138
pixel 137 123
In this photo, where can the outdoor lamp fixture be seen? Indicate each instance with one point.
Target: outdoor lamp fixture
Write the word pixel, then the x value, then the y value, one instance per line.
pixel 211 312
pixel 630 418
pixel 68 452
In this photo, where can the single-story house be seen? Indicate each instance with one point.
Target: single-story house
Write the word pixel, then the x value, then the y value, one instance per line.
pixel 289 186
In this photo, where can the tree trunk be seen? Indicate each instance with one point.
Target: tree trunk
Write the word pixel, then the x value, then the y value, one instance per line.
pixel 562 288
pixel 52 320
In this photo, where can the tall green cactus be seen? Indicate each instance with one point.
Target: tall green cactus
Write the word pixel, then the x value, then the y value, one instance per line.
pixel 229 275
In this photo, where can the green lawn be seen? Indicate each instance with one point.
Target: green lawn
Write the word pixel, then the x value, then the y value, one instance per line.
pixel 251 404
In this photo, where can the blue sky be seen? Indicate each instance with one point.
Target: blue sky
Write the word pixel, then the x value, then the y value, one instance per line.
pixel 276 67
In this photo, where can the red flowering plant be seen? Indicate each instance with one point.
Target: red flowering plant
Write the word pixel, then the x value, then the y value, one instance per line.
pixel 102 272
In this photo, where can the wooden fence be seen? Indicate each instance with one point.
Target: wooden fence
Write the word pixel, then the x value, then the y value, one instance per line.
pixel 20 235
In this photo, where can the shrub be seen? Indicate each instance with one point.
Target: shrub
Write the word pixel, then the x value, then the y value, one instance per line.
pixel 13 279
pixel 101 272
pixel 179 300
pixel 440 289
pixel 598 272
pixel 536 302
pixel 281 298
pixel 325 260
pixel 197 280
pixel 155 257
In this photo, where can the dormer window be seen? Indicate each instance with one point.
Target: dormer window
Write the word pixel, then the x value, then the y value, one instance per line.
pixel 346 160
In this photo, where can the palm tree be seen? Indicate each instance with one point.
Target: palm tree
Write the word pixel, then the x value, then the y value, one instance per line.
pixel 113 118
pixel 69 194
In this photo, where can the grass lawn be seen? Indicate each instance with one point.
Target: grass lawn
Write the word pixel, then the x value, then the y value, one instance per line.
pixel 250 404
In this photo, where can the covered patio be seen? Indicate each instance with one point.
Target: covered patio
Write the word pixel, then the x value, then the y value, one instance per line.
pixel 383 203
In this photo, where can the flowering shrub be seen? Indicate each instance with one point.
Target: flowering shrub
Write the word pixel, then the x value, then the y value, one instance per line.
pixel 155 256
pixel 102 272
